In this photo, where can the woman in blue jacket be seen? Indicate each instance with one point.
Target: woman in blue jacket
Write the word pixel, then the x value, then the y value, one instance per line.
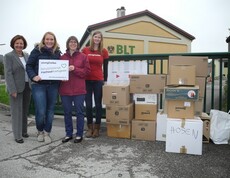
pixel 44 92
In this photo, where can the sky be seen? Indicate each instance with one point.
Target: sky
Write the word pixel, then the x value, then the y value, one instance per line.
pixel 207 20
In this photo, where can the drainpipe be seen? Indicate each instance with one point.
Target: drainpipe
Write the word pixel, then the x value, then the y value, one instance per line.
pixel 228 79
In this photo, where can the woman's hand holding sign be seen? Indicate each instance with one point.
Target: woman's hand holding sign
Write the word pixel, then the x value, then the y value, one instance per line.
pixel 71 68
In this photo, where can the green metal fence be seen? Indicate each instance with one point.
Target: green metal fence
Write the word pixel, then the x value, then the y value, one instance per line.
pixel 219 96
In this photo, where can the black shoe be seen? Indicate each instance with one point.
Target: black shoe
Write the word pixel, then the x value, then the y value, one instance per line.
pixel 19 140
pixel 66 139
pixel 78 140
pixel 25 135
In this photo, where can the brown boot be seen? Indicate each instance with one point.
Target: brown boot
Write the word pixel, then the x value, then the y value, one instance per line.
pixel 89 132
pixel 96 130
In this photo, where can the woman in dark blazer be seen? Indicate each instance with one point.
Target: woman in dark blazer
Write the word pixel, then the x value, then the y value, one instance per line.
pixel 17 83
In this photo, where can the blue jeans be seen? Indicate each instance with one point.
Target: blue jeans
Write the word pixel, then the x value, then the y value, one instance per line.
pixel 78 102
pixel 45 96
pixel 94 87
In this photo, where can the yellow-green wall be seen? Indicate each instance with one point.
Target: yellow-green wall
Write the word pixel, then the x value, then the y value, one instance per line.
pixel 159 47
pixel 124 46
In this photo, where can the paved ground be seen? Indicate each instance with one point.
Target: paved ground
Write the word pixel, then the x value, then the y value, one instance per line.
pixel 102 157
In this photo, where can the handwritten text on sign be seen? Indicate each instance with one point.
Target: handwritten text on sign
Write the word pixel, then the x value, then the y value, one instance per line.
pixel 54 69
pixel 185 131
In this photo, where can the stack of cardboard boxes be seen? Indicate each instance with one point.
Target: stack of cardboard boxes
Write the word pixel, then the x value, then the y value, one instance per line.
pixel 145 90
pixel 132 110
pixel 184 104
pixel 119 110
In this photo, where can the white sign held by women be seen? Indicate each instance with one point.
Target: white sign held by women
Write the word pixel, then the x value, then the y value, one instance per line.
pixel 50 69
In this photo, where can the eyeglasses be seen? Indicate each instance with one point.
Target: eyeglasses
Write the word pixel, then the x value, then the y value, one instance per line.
pixel 74 42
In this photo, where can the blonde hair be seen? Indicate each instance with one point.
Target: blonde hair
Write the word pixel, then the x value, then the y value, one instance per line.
pixel 42 43
pixel 100 47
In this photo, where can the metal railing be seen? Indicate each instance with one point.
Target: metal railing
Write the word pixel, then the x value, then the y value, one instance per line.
pixel 217 85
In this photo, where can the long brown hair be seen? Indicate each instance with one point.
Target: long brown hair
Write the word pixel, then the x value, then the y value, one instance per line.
pixel 100 47
pixel 42 43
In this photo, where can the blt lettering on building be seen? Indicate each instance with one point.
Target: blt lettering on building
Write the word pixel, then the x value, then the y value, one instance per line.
pixel 122 49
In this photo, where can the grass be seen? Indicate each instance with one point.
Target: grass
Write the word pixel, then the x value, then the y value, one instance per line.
pixel 4 97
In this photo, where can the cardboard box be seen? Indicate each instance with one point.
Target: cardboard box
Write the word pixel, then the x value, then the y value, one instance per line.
pixel 201 81
pixel 199 106
pixel 182 75
pixel 184 136
pixel 145 98
pixel 146 112
pixel 180 109
pixel 143 130
pixel 118 130
pixel 200 62
pixel 206 127
pixel 161 126
pixel 182 93
pixel 116 94
pixel 119 114
pixel 147 84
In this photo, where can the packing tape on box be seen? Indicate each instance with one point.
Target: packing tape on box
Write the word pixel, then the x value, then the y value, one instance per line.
pixel 183 149
pixel 182 123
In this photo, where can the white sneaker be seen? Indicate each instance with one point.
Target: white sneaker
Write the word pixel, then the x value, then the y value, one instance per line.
pixel 40 137
pixel 47 138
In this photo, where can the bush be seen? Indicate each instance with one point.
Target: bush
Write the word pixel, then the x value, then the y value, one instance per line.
pixel 4 97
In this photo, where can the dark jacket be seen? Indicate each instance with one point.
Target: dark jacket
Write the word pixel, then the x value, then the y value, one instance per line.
pixel 33 61
pixel 76 83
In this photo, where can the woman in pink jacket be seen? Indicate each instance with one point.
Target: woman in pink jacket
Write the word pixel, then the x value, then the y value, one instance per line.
pixel 73 90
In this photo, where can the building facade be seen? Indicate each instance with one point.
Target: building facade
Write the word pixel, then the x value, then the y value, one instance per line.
pixel 140 33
